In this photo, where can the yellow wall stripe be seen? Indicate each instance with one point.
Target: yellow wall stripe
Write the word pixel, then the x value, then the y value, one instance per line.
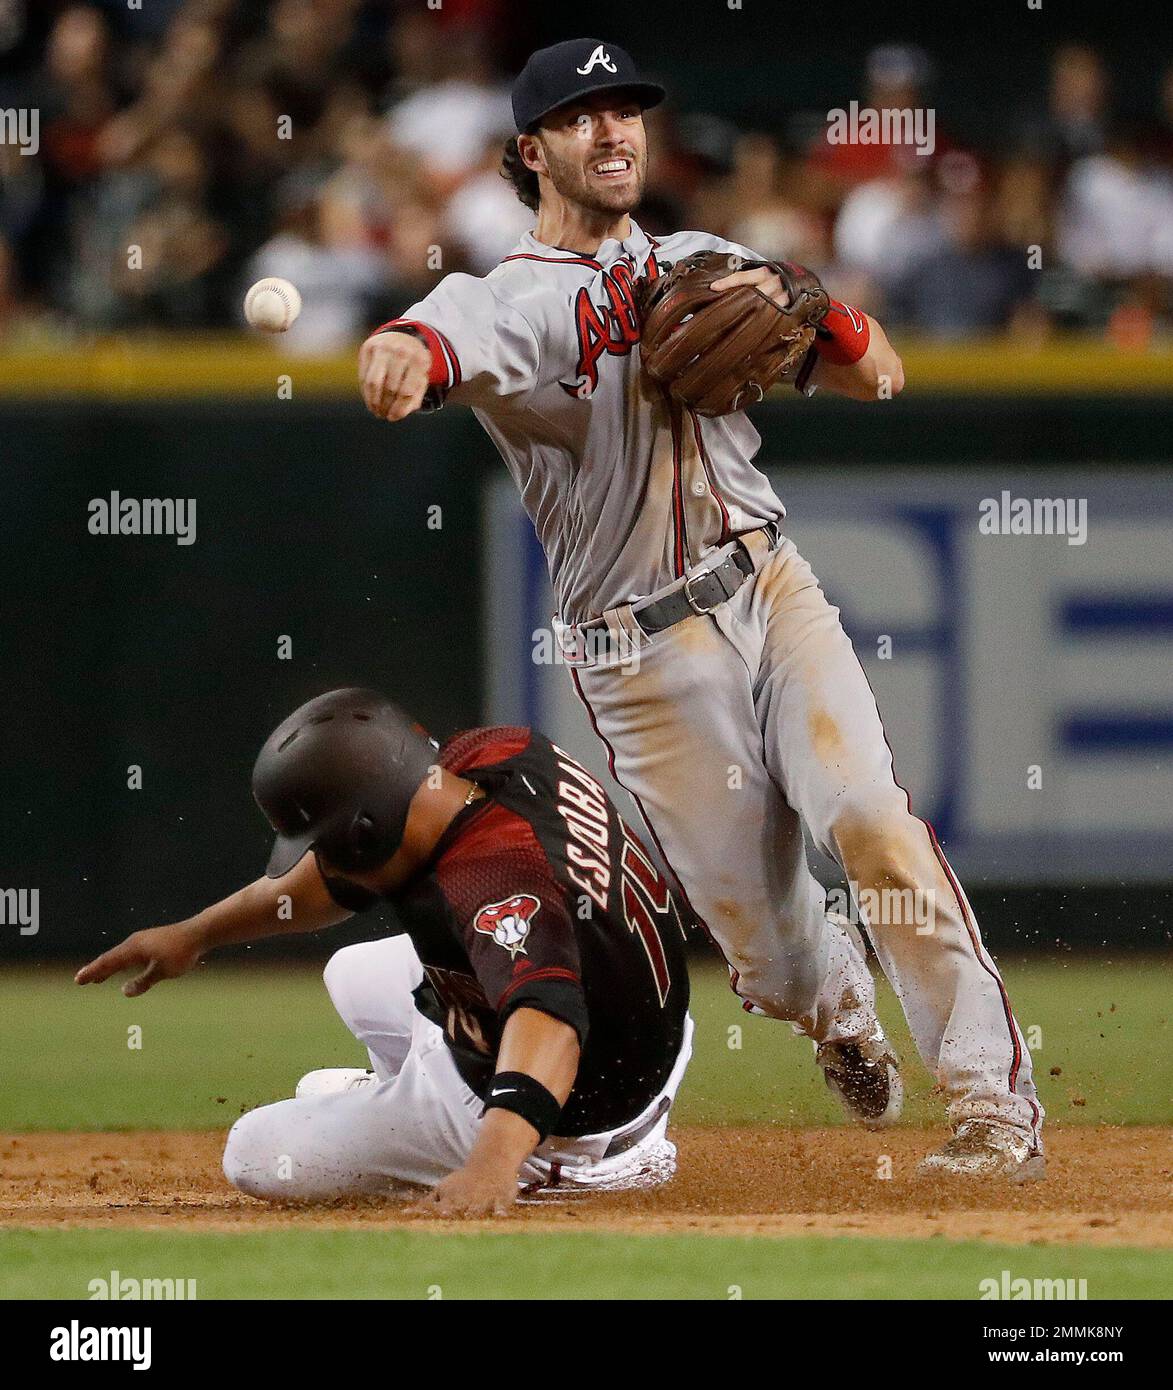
pixel 230 366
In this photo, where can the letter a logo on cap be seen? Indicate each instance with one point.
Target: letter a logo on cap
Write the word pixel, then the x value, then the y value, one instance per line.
pixel 599 58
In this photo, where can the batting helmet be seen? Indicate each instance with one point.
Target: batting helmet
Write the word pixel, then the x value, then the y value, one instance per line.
pixel 338 776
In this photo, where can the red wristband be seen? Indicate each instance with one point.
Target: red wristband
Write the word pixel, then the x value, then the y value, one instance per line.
pixel 843 335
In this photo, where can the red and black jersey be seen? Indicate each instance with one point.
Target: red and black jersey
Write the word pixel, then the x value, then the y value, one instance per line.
pixel 540 895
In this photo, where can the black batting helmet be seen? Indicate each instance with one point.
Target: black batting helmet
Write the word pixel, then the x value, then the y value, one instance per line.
pixel 338 776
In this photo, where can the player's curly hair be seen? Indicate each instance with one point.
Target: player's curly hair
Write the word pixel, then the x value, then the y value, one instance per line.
pixel 524 181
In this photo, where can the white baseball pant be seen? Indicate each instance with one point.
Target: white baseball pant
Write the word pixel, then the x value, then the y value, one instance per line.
pixel 732 731
pixel 420 1121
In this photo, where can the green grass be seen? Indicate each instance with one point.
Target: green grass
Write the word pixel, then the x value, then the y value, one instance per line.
pixel 398 1264
pixel 229 1037
pixel 1104 1025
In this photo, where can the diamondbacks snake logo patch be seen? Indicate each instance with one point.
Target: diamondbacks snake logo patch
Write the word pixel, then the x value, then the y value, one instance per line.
pixel 508 922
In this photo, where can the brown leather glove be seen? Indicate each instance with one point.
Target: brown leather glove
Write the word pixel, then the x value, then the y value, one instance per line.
pixel 719 351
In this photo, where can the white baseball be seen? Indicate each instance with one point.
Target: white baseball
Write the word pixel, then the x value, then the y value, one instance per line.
pixel 272 304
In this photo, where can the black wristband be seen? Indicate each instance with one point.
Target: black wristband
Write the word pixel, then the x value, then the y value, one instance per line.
pixel 516 1091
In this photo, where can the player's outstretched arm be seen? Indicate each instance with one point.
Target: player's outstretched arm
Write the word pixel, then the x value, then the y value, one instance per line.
pixel 393 372
pixel 297 902
pixel 537 1046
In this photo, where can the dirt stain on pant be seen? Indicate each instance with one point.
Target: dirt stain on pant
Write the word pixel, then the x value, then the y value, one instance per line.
pixel 877 856
pixel 826 739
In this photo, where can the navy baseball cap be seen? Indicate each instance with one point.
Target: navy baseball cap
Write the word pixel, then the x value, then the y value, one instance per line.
pixel 572 70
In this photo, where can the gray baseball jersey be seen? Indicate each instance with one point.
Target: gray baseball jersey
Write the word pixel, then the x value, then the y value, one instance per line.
pixel 737 729
pixel 625 489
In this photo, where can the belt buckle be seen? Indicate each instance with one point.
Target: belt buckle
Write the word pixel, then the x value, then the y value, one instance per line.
pixel 698 608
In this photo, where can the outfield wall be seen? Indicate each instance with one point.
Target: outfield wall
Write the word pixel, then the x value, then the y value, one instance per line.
pixel 1024 680
pixel 317 524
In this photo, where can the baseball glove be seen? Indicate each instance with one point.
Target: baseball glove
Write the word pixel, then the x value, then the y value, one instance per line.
pixel 717 351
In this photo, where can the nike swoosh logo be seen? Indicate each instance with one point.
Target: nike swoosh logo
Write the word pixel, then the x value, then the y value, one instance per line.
pixel 504 1091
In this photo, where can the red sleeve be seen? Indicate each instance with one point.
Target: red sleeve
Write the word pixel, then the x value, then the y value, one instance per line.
pixel 445 369
pixel 517 929
pixel 523 952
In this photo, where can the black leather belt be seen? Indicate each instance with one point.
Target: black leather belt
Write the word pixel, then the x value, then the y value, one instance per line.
pixel 701 593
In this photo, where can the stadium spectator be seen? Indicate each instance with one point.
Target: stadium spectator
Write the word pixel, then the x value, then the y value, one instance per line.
pixel 761 203
pixel 484 217
pixel 79 95
pixel 1075 122
pixel 187 131
pixel 340 279
pixel 887 224
pixel 463 100
pixel 897 76
pixel 1116 220
pixel 973 284
pixel 179 242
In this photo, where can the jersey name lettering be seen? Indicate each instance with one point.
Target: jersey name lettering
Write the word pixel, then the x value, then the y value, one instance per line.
pixel 582 804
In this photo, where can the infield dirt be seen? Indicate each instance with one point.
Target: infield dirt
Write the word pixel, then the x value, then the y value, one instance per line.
pixel 1105 1186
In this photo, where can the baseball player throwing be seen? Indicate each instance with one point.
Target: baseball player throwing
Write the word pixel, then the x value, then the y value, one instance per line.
pixel 747 714
pixel 529 1029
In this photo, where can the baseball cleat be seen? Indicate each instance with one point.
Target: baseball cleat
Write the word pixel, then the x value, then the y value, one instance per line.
pixel 984 1148
pixel 864 1074
pixel 330 1081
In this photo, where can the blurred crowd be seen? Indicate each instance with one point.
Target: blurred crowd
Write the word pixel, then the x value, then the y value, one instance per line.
pixel 190 146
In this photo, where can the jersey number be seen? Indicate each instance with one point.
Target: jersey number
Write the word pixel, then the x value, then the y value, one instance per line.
pixel 647 900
